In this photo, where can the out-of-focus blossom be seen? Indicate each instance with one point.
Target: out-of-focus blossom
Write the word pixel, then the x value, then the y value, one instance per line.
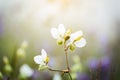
pixel 77 67
pixel 25 71
pixel 92 63
pixel 5 60
pixel 82 76
pixel 59 33
pixel 105 63
pixel 7 67
pixel 24 44
pixel 42 59
pixel 57 77
pixel 21 51
pixel 76 40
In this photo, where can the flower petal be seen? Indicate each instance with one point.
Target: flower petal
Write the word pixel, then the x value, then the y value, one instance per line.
pixel 44 54
pixel 74 35
pixel 80 43
pixel 38 59
pixel 54 33
pixel 61 29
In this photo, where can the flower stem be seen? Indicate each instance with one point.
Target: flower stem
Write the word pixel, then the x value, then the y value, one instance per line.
pixel 63 71
pixel 67 61
pixel 66 48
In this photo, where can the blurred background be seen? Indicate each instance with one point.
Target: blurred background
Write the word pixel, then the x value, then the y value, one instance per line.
pixel 25 30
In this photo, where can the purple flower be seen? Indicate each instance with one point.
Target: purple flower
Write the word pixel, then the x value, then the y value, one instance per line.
pixel 82 76
pixel 93 63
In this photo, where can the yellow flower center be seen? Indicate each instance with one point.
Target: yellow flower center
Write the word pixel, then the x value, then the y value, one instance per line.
pixel 47 59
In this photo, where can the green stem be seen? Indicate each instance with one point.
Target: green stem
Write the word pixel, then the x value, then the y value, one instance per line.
pixel 67 61
pixel 70 75
pixel 66 48
pixel 63 71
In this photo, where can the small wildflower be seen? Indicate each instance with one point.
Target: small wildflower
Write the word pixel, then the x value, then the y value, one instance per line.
pixel 59 33
pixel 42 59
pixel 77 39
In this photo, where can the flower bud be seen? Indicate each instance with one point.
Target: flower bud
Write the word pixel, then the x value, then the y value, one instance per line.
pixel 59 42
pixel 21 53
pixel 5 60
pixel 67 35
pixel 72 47
pixel 8 68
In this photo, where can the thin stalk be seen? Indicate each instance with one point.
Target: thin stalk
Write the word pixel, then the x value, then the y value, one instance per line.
pixel 63 71
pixel 67 61
pixel 70 75
pixel 66 48
pixel 14 63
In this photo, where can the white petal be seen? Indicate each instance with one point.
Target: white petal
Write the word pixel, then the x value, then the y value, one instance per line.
pixel 75 35
pixel 80 43
pixel 61 29
pixel 44 54
pixel 54 33
pixel 38 59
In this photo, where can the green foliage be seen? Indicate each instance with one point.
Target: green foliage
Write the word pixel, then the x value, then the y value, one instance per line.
pixel 1 76
pixel 66 76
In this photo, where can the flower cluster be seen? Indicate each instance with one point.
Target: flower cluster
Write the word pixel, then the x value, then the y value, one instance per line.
pixel 63 36
pixel 42 60
pixel 72 40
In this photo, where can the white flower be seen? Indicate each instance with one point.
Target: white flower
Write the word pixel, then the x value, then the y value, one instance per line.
pixel 42 59
pixel 77 39
pixel 25 71
pixel 58 33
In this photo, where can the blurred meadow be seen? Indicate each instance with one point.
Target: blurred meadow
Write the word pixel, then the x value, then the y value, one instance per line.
pixel 25 30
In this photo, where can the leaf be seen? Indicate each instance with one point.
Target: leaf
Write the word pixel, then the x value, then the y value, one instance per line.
pixel 66 76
